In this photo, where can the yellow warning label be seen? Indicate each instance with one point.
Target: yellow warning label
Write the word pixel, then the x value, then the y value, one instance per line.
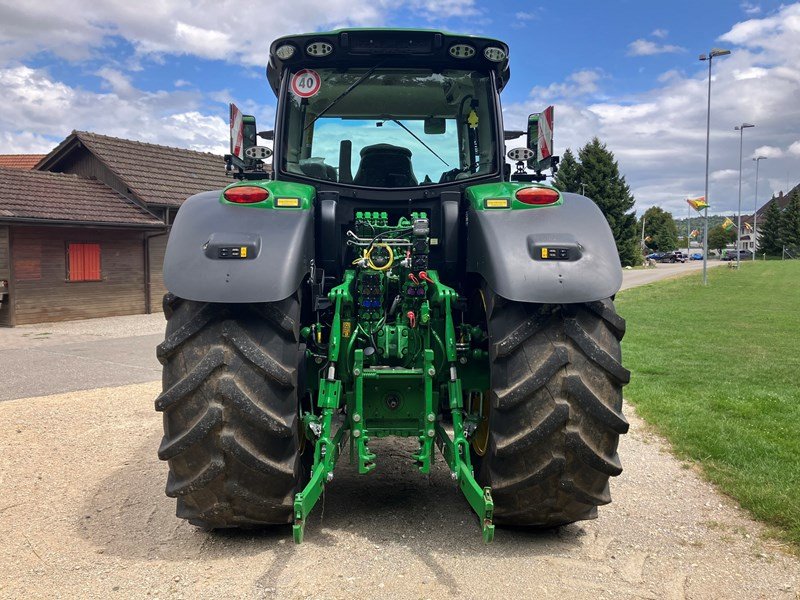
pixel 243 251
pixel 544 252
pixel 472 119
pixel 347 328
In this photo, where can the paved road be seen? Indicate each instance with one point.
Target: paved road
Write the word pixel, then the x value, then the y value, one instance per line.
pixel 36 360
pixel 635 277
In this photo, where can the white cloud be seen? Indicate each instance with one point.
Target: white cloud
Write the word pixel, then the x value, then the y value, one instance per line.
pixel 442 9
pixel 768 152
pixel 578 84
pixel 642 47
pixel 660 33
pixel 45 110
pixel 659 136
pixel 750 8
pixel 526 16
pixel 78 29
pixel 118 82
pixel 724 174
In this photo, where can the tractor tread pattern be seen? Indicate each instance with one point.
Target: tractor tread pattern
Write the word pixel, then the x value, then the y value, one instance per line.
pixel 556 411
pixel 230 411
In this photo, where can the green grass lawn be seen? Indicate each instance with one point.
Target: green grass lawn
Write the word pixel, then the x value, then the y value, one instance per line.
pixel 716 369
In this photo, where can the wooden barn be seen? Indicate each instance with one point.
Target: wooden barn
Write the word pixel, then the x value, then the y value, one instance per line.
pixel 70 248
pixel 84 233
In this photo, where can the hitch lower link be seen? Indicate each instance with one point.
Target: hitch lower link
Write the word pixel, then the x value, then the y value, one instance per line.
pixel 328 445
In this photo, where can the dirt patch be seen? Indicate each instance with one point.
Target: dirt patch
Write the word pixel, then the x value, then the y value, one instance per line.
pixel 84 514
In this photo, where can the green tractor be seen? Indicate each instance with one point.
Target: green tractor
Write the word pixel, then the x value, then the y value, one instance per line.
pixel 391 275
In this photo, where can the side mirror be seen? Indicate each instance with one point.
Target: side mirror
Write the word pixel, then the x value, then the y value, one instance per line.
pixel 258 152
pixel 245 154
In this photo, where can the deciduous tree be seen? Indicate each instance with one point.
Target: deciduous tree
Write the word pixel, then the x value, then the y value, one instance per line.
pixel 659 226
pixel 718 238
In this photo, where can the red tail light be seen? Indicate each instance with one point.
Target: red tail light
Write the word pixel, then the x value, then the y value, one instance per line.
pixel 246 194
pixel 537 196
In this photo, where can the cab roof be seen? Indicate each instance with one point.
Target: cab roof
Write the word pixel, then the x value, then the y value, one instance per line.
pixel 392 48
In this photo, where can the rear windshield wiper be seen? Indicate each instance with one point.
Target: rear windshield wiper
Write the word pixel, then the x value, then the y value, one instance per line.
pixel 353 86
pixel 416 137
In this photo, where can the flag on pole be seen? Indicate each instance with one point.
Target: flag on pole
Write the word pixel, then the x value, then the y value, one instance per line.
pixel 695 233
pixel 748 227
pixel 727 224
pixel 698 203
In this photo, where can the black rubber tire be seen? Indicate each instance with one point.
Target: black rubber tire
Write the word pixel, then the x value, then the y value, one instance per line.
pixel 555 415
pixel 230 405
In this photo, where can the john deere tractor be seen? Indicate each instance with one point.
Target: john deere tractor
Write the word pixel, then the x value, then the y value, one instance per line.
pixel 391 274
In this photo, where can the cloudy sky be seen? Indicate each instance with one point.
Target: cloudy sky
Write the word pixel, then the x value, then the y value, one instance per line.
pixel 625 71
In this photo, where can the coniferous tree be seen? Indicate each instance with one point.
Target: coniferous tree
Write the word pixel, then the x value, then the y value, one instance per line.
pixel 770 234
pixel 790 222
pixel 604 184
pixel 568 178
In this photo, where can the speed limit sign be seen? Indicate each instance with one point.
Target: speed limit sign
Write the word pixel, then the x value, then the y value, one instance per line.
pixel 305 83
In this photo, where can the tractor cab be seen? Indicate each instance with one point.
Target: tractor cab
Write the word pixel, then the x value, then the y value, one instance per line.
pixel 386 110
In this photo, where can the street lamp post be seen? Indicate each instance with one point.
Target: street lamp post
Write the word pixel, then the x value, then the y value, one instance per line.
pixel 740 129
pixel 755 209
pixel 711 55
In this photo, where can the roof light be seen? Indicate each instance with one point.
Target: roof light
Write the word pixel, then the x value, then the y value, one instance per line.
pixel 285 52
pixel 318 49
pixel 537 196
pixel 519 154
pixel 462 51
pixel 495 54
pixel 246 194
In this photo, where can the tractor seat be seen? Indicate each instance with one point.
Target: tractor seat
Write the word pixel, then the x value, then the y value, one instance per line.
pixel 384 165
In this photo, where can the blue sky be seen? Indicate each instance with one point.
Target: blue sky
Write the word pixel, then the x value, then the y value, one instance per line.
pixel 624 71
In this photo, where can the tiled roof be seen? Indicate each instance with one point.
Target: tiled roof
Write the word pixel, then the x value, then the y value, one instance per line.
pixel 20 161
pixel 40 195
pixel 157 175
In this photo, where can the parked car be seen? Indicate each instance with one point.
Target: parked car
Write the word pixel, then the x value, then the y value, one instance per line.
pixel 654 256
pixel 696 256
pixel 731 255
pixel 673 257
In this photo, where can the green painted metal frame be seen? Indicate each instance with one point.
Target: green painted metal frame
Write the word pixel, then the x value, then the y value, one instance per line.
pixel 332 393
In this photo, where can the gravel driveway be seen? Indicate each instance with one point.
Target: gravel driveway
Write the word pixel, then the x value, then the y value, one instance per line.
pixel 83 514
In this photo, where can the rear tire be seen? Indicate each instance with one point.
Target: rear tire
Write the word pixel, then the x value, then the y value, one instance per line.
pixel 230 404
pixel 555 411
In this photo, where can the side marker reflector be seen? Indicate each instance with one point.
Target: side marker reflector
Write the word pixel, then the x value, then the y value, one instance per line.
pixel 496 203
pixel 287 202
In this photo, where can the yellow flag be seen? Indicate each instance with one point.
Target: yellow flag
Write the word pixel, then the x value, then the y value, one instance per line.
pixel 727 224
pixel 698 203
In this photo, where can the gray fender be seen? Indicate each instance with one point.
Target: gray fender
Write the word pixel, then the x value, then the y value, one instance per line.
pixel 504 247
pixel 280 249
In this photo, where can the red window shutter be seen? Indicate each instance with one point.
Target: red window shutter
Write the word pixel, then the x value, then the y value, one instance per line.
pixel 84 262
